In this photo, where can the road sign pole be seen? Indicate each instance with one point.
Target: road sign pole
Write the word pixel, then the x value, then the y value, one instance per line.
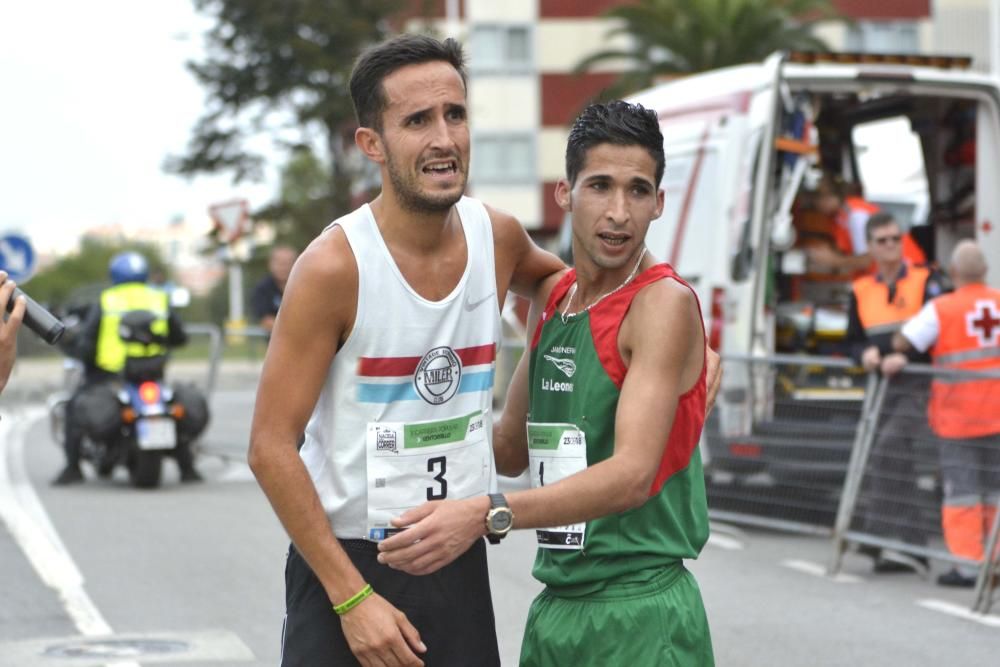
pixel 237 321
pixel 232 218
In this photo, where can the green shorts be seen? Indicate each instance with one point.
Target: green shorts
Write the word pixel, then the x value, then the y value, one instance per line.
pixel 655 618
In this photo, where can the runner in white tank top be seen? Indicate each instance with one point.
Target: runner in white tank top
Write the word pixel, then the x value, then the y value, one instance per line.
pixel 405 412
pixel 383 354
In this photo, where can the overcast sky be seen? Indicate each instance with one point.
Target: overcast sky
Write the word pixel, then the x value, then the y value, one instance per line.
pixel 94 96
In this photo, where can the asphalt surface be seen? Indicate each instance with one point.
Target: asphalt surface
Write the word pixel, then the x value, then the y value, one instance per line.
pixel 192 574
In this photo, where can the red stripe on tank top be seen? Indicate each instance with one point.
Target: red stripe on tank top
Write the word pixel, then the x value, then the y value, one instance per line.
pixel 400 366
pixel 605 322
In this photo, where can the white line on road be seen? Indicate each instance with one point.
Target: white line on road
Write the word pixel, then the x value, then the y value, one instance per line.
pixel 725 542
pixel 29 524
pixel 959 611
pixel 817 570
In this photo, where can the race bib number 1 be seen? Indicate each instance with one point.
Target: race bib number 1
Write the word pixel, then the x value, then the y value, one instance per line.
pixel 411 463
pixel 556 451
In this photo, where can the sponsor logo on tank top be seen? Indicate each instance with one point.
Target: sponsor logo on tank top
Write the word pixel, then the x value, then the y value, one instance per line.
pixel 553 385
pixel 438 375
pixel 565 365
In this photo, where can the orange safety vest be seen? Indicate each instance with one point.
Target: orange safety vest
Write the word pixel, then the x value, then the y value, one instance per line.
pixel 969 339
pixel 877 314
pixel 859 204
pixel 912 252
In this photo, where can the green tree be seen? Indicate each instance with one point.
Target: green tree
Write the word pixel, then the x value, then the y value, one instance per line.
pixel 304 206
pixel 82 275
pixel 671 37
pixel 280 68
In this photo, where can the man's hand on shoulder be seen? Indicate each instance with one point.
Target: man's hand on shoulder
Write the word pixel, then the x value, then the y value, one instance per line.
pixel 439 532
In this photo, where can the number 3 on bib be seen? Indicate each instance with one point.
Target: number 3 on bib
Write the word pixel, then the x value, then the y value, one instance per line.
pixel 410 463
pixel 438 464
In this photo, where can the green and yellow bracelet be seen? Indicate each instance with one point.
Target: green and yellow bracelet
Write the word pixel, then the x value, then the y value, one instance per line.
pixel 353 601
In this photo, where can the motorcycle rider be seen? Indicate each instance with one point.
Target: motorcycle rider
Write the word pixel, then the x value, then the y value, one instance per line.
pixel 95 341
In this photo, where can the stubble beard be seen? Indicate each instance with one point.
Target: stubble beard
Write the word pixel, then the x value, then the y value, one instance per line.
pixel 412 198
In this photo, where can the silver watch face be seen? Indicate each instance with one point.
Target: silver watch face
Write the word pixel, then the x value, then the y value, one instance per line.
pixel 500 520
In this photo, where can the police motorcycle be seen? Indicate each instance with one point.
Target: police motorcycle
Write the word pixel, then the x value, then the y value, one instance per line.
pixel 136 419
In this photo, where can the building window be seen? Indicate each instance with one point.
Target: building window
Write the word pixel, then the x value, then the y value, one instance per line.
pixel 883 37
pixel 500 48
pixel 507 158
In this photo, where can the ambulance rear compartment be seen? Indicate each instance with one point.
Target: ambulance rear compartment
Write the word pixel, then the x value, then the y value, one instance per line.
pixel 925 149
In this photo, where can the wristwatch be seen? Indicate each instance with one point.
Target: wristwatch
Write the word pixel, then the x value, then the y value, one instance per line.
pixel 499 520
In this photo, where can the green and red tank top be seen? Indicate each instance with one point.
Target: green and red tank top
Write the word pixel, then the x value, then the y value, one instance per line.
pixel 576 375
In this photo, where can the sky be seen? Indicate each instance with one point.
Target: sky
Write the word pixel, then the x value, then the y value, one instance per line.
pixel 95 95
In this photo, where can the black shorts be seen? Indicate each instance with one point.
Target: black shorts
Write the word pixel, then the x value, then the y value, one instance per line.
pixel 451 609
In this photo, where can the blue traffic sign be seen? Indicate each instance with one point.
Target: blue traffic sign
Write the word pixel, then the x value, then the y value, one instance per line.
pixel 17 257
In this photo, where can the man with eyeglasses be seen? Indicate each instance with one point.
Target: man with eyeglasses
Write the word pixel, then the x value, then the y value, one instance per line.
pixel 881 302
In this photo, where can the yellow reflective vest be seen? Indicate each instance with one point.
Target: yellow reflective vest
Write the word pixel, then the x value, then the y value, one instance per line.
pixel 115 302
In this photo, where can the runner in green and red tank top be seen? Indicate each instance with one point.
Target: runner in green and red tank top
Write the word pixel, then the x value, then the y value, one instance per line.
pixel 575 381
pixel 605 410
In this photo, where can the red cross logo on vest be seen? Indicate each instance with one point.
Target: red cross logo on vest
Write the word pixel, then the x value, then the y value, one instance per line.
pixel 983 322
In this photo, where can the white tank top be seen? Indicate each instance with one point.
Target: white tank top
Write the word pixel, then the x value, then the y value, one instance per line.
pixel 406 360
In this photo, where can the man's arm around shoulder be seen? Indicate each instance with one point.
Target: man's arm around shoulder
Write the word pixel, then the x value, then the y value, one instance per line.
pixel 510 444
pixel 522 267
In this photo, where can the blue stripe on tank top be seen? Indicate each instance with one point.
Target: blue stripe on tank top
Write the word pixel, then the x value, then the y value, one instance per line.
pixel 390 393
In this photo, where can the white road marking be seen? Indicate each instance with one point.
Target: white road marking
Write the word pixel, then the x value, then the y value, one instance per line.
pixel 29 524
pixel 725 542
pixel 32 529
pixel 958 611
pixel 817 570
pixel 235 472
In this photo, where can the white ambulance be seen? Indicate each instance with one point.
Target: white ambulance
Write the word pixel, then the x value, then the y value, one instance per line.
pixel 743 147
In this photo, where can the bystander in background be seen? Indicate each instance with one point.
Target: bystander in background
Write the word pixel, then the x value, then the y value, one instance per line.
pixel 266 297
pixel 962 332
pixel 881 302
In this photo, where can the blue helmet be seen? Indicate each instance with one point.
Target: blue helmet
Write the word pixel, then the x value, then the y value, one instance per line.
pixel 128 267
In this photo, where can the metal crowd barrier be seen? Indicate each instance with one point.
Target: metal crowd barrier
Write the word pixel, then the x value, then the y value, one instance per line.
pixel 893 490
pixel 778 443
pixel 214 333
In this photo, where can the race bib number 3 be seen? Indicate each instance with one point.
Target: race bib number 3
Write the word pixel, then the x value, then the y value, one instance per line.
pixel 411 463
pixel 556 451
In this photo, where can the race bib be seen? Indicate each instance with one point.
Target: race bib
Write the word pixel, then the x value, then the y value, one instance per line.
pixel 556 451
pixel 411 463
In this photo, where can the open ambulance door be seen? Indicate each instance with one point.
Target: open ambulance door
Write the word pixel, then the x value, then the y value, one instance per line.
pixel 747 389
pixel 987 215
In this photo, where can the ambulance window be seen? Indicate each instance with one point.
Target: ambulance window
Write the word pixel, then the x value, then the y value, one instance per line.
pixel 891 167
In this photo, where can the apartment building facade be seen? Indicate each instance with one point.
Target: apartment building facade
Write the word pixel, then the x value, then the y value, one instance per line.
pixel 523 90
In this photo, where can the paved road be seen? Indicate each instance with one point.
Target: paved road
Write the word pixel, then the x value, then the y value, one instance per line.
pixel 195 572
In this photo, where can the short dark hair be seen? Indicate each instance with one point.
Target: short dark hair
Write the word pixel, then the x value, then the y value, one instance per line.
pixel 379 61
pixel 878 220
pixel 616 122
